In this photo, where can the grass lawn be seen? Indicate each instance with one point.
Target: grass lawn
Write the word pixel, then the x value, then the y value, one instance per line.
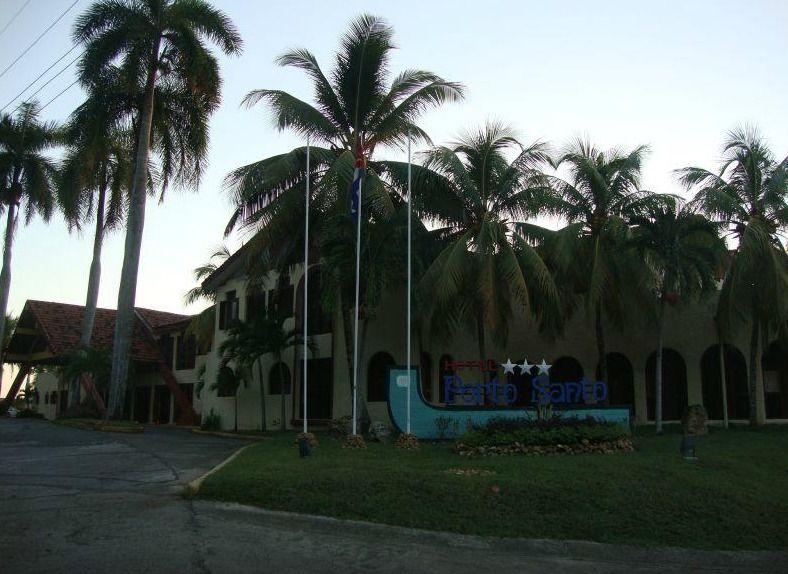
pixel 734 497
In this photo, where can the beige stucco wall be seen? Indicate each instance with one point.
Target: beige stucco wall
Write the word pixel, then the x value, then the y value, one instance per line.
pixel 689 329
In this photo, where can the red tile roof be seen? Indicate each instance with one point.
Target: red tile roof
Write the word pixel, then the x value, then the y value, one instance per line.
pixel 61 324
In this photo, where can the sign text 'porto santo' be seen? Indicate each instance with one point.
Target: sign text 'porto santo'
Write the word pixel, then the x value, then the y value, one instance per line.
pixel 542 390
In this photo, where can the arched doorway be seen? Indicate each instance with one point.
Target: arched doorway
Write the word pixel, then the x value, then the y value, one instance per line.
pixel 674 385
pixel 620 380
pixel 377 376
pixel 775 380
pixel 735 383
pixel 445 369
pixel 566 370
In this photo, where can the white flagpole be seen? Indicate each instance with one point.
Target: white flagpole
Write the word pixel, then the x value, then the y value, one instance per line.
pixel 306 277
pixel 409 285
pixel 355 327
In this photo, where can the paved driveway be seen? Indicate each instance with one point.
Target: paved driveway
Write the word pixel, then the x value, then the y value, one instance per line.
pixel 83 501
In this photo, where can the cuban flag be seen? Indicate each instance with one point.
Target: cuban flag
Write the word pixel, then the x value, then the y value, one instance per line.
pixel 358 174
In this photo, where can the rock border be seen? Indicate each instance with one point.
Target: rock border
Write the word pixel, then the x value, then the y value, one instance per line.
pixel 584 447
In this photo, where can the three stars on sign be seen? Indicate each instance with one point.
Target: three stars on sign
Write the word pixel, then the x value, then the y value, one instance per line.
pixel 526 367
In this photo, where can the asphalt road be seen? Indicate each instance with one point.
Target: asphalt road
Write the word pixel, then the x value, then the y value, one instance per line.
pixel 85 501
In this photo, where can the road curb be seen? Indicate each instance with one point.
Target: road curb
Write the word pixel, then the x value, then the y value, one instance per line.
pixel 194 486
pixel 230 434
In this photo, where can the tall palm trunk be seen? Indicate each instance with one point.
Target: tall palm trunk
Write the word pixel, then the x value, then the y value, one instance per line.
pixel 124 320
pixel 94 280
pixel 263 419
pixel 5 274
pixel 600 342
pixel 91 300
pixel 658 373
pixel 482 352
pixel 752 387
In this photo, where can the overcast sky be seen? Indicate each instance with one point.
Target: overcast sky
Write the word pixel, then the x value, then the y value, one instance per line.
pixel 676 75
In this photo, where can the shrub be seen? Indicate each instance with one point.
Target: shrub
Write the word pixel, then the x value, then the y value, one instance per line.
pixel 211 421
pixel 29 414
pixel 542 432
pixel 80 411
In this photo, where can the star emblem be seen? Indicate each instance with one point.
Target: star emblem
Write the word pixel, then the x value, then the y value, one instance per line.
pixel 508 366
pixel 526 367
pixel 544 368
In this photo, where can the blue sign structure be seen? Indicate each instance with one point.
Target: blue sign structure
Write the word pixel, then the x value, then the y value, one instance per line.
pixel 428 421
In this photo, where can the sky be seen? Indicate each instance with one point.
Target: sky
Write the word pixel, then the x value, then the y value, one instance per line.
pixel 675 75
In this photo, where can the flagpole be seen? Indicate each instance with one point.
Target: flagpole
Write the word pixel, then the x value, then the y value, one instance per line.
pixel 306 279
pixel 355 325
pixel 409 284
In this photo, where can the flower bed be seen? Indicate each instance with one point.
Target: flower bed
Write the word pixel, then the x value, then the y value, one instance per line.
pixel 558 435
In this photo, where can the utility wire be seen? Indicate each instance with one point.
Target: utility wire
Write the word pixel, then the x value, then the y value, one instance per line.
pixel 11 21
pixel 26 50
pixel 41 75
pixel 71 85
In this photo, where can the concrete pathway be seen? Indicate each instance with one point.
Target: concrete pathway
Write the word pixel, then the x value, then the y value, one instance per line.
pixel 84 501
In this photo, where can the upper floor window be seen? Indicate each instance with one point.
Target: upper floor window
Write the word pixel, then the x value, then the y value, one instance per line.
pixel 255 305
pixel 228 311
pixel 187 350
pixel 165 348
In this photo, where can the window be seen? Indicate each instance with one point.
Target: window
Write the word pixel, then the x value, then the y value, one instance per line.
pixel 377 376
pixel 228 311
pixel 281 302
pixel 165 348
pixel 279 376
pixel 255 305
pixel 187 349
pixel 319 319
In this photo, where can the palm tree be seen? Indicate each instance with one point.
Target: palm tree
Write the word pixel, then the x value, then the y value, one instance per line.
pixel 485 269
pixel 95 179
pixel 600 196
pixel 748 195
pixel 26 182
pixel 89 361
pixel 358 108
pixel 248 342
pixel 227 382
pixel 203 324
pixel 683 252
pixel 157 46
